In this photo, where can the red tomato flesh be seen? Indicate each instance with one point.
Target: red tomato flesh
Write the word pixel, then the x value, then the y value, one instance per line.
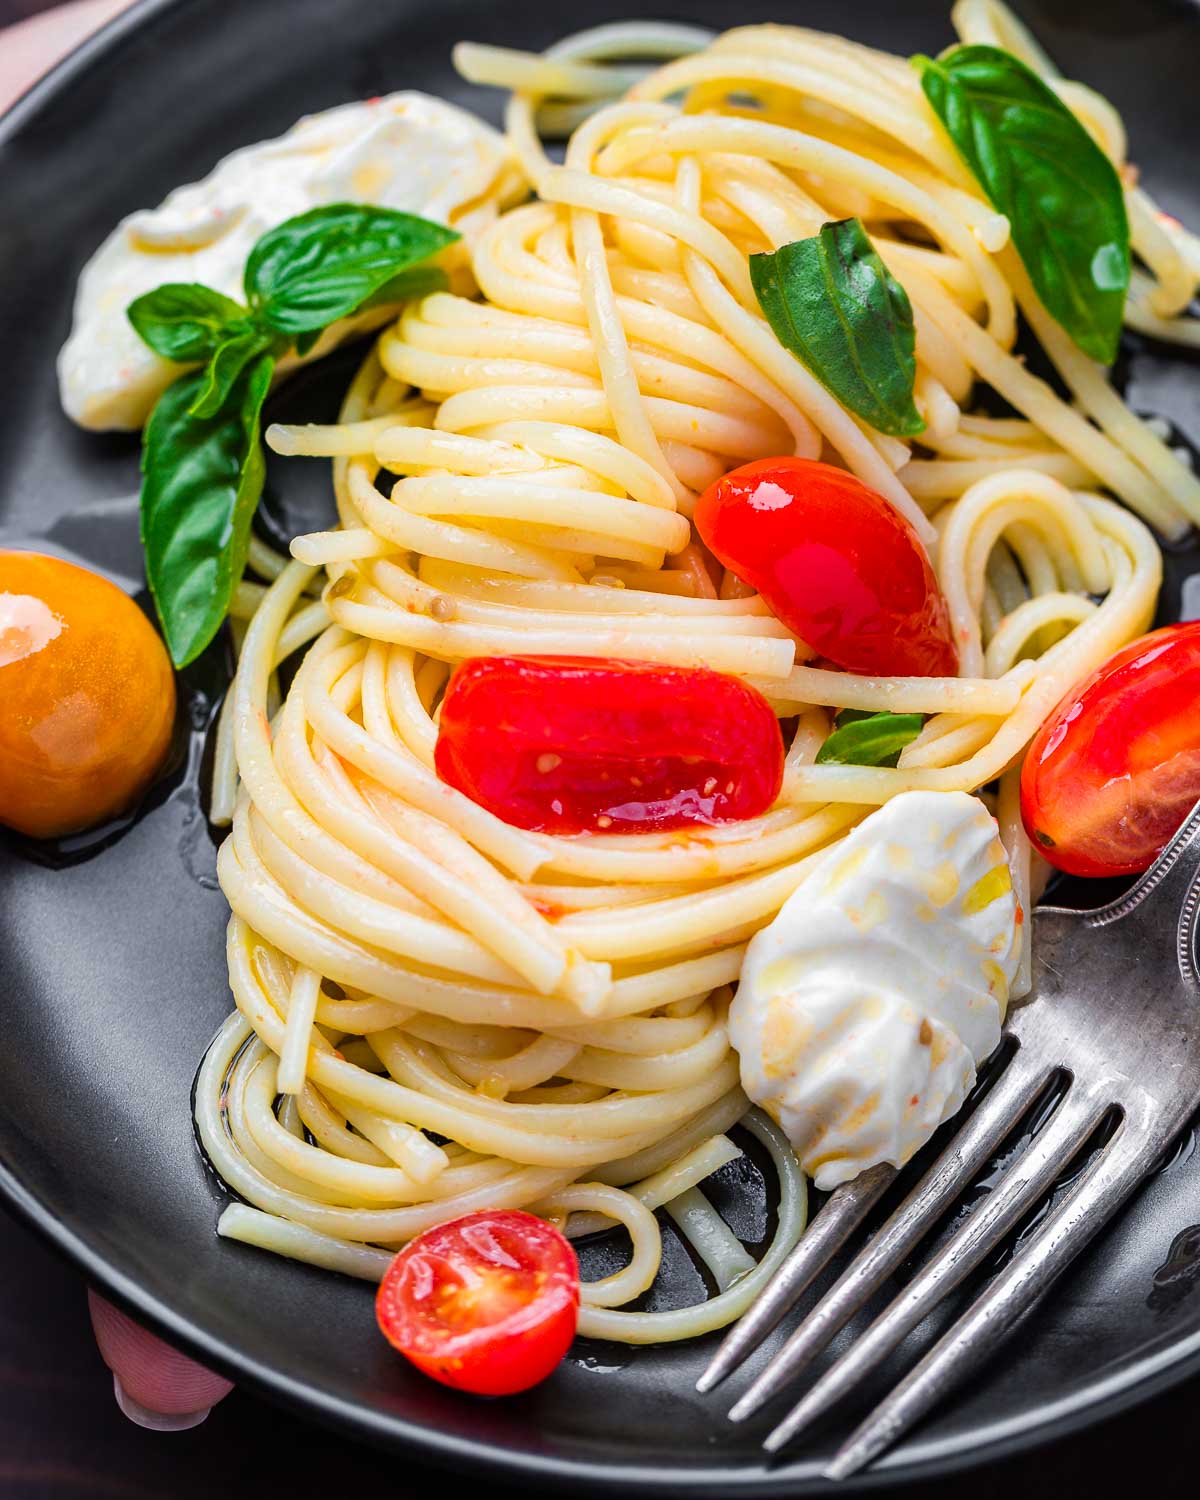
pixel 1115 769
pixel 487 1303
pixel 566 744
pixel 835 562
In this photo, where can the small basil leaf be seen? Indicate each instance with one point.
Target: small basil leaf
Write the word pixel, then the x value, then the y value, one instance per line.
pixel 875 740
pixel 1040 168
pixel 201 479
pixel 833 303
pixel 231 357
pixel 183 320
pixel 323 265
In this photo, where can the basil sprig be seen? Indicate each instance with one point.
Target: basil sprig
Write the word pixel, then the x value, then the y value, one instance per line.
pixel 1042 170
pixel 202 459
pixel 864 739
pixel 833 303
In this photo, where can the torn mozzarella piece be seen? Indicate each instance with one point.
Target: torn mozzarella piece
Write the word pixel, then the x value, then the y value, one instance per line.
pixel 404 151
pixel 865 1006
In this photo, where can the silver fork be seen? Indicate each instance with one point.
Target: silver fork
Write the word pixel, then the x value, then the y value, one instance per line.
pixel 1114 1019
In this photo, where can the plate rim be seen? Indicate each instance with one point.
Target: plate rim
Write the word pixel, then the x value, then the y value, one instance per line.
pixel 1132 1384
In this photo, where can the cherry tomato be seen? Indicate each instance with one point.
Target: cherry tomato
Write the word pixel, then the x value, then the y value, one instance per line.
pixel 1115 769
pixel 835 562
pixel 582 744
pixel 487 1303
pixel 87 696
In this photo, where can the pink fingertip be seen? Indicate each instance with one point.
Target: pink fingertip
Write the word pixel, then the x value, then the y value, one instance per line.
pixel 155 1385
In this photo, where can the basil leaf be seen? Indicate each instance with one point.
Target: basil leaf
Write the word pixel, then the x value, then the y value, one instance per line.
pixel 230 359
pixel 1040 168
pixel 183 320
pixel 874 740
pixel 323 265
pixel 201 481
pixel 833 303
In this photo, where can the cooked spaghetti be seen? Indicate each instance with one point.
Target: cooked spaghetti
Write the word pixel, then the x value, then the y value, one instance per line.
pixel 438 1012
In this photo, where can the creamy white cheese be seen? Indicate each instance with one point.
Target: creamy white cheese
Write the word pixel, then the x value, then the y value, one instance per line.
pixel 864 1008
pixel 405 151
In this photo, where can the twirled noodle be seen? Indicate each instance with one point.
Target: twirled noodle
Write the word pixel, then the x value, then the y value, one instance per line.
pixel 438 1012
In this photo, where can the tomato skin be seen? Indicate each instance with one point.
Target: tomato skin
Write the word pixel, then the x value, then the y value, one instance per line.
pixel 586 744
pixel 87 697
pixel 487 1303
pixel 1115 769
pixel 835 562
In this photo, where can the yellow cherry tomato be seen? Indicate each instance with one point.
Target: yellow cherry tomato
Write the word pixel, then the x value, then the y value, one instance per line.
pixel 87 697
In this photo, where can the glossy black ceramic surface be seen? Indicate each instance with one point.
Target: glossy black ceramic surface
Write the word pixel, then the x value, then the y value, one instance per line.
pixel 111 964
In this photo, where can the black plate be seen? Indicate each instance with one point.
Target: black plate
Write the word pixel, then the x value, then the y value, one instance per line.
pixel 111 965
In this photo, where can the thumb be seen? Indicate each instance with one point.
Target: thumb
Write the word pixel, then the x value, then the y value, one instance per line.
pixel 155 1386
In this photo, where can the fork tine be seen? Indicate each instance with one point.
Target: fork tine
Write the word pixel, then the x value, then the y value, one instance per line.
pixel 1021 1186
pixel 829 1231
pixel 1106 1184
pixel 1002 1108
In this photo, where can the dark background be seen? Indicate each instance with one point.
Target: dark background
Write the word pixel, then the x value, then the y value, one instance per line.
pixel 61 1434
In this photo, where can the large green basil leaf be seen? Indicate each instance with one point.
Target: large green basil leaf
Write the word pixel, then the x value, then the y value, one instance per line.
pixel 1042 170
pixel 323 265
pixel 201 479
pixel 833 303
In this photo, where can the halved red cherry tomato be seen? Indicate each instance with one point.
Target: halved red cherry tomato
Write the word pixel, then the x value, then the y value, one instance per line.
pixel 487 1303
pixel 835 562
pixel 576 744
pixel 1115 769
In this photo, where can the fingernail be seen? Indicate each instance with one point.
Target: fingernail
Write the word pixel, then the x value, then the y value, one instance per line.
pixel 155 1421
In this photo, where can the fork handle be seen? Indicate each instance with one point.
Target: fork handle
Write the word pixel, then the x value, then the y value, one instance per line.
pixel 1103 1187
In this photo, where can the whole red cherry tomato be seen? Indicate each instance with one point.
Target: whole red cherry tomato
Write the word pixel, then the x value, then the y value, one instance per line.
pixel 582 744
pixel 487 1303
pixel 1115 769
pixel 835 562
